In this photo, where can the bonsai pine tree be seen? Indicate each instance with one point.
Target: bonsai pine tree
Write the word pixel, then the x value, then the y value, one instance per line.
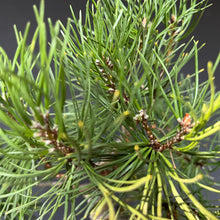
pixel 103 111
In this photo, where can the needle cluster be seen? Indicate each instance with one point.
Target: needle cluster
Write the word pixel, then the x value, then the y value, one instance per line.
pixel 101 112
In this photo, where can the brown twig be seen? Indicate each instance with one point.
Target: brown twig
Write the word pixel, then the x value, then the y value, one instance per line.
pixel 50 135
pixel 185 124
pixel 108 78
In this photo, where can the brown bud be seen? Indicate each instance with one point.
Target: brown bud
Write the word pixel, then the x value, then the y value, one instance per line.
pixel 172 18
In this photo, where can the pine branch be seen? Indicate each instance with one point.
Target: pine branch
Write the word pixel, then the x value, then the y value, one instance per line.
pixel 105 113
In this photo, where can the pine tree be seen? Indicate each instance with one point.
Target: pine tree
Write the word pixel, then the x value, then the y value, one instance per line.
pixel 104 112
